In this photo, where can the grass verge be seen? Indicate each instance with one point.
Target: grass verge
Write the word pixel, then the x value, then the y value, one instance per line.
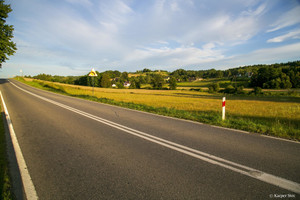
pixel 276 116
pixel 5 183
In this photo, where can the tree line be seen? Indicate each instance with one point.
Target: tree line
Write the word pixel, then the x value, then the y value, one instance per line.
pixel 283 76
pixel 274 76
pixel 115 79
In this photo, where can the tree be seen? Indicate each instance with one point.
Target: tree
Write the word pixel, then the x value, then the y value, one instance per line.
pixel 142 80
pixel 82 80
pixel 146 70
pixel 297 80
pixel 285 82
pixel 105 81
pixel 135 83
pixel 219 74
pixel 173 83
pixel 7 47
pixel 124 77
pixel 157 81
pixel 264 76
pixel 147 79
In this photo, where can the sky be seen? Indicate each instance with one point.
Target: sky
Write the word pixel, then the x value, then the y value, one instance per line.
pixel 70 37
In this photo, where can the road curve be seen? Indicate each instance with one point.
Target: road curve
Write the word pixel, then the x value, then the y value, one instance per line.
pixel 77 149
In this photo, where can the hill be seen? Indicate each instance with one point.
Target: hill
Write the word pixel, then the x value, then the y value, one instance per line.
pixel 274 76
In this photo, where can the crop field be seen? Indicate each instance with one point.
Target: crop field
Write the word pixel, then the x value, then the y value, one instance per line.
pixel 223 82
pixel 270 115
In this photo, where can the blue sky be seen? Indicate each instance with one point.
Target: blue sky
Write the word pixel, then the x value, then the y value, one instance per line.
pixel 70 37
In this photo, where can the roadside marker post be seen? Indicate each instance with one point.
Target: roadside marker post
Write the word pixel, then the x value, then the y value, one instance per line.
pixel 223 108
pixel 93 74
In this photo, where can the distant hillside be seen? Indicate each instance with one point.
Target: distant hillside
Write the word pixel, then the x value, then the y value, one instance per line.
pixel 275 76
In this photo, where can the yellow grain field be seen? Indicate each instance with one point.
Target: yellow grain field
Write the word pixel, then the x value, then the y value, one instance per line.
pixel 192 101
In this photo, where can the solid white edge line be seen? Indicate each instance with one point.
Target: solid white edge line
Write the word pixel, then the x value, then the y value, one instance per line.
pixel 251 172
pixel 28 186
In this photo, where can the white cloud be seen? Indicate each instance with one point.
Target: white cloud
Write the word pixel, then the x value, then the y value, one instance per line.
pixel 268 55
pixel 209 45
pixel 261 56
pixel 180 56
pixel 58 29
pixel 290 35
pixel 162 42
pixel 174 6
pixel 261 9
pixel 226 27
pixel 115 11
pixel 289 18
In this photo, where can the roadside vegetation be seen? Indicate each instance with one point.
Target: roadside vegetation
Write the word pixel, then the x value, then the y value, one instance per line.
pixel 275 113
pixel 5 184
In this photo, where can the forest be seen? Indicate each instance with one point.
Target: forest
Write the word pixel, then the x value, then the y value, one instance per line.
pixel 274 76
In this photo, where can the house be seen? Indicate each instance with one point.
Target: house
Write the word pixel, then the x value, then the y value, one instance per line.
pixel 126 84
pixel 249 74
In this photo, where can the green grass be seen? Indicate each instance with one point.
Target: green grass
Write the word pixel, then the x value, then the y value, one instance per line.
pixel 5 184
pixel 269 115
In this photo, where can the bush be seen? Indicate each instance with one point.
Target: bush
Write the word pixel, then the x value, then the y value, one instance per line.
pixel 229 89
pixel 257 90
pixel 240 90
pixel 120 85
pixel 215 87
pixel 198 89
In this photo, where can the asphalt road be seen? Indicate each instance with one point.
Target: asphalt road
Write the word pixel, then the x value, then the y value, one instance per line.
pixel 77 149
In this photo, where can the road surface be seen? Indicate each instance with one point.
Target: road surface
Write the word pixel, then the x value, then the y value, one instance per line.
pixel 77 149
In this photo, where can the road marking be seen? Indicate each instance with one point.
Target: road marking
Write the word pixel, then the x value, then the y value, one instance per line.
pixel 29 188
pixel 242 169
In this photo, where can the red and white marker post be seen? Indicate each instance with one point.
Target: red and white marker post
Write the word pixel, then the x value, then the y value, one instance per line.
pixel 223 108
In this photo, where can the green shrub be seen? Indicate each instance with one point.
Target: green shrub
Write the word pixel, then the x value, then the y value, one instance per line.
pixel 215 87
pixel 240 90
pixel 229 89
pixel 257 91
